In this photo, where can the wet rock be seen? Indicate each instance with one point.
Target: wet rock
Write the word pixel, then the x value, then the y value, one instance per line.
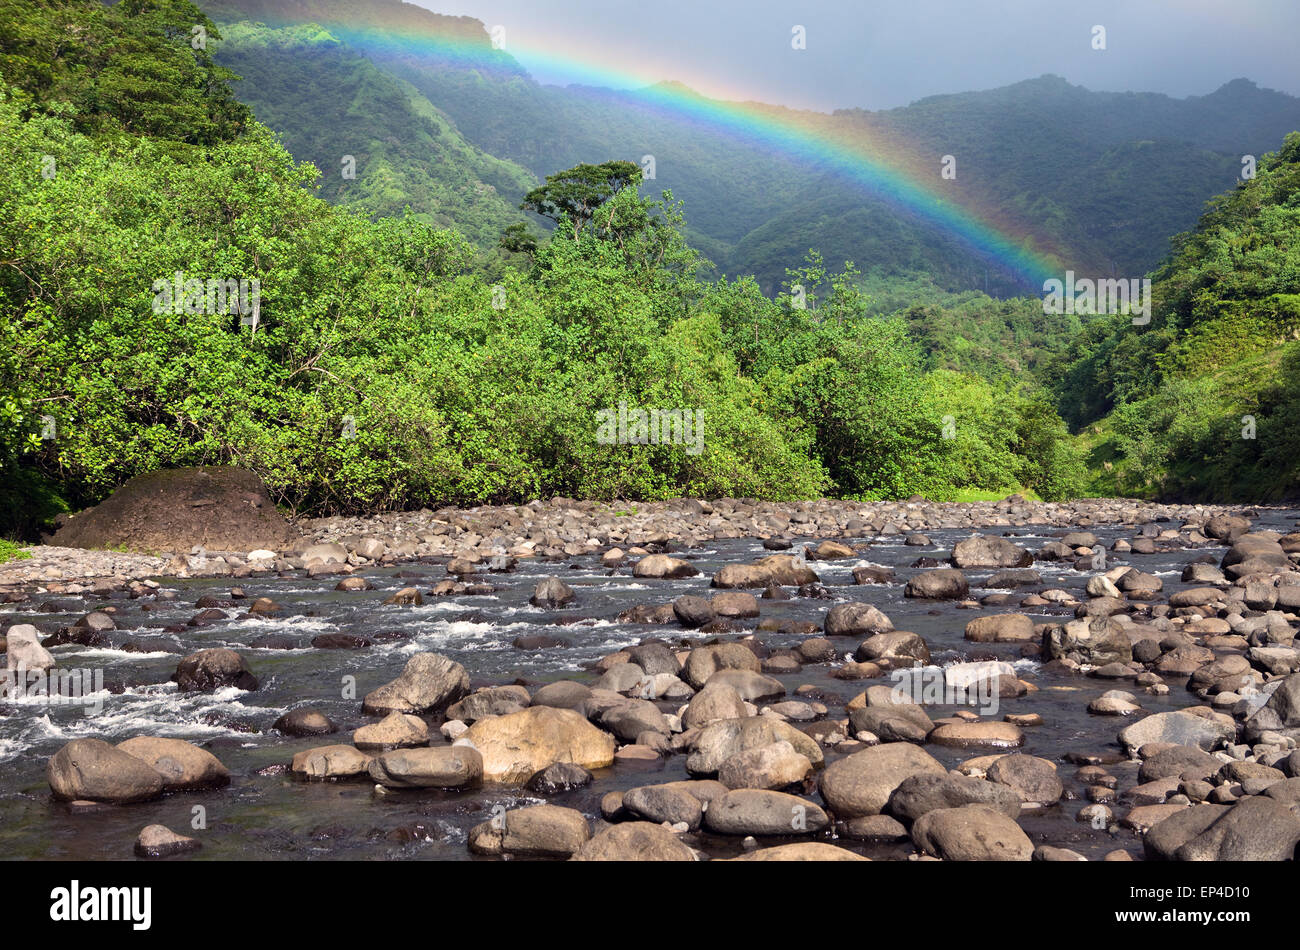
pixel 1256 829
pixel 1179 727
pixel 1033 779
pixel 941 584
pixel 901 648
pixel 304 722
pixel 704 661
pixel 801 851
pixel 428 683
pixel 781 569
pixel 541 831
pixel 516 746
pixel 971 833
pixel 714 701
pixel 559 777
pixel 720 740
pixel 214 669
pixel 182 765
pixel 1095 641
pixel 1001 628
pixel 490 701
pixel 856 620
pixel 455 766
pixel 978 735
pixel 693 611
pixel 330 762
pixel 93 770
pixel 406 597
pixel 985 550
pixel 159 841
pixel 773 766
pixel 663 567
pixel 735 603
pixel 862 783
pixel 829 551
pixel 671 803
pixel 24 650
pixel 552 592
pixel 634 841
pixel 925 792
pixel 752 687
pixel 394 731
pixel 759 812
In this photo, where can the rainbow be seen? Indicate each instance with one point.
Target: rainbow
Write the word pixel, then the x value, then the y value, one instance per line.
pixel 881 164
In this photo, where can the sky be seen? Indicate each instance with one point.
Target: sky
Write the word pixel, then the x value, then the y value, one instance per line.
pixel 879 54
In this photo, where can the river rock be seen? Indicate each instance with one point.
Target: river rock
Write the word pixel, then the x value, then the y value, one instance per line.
pixel 93 770
pixel 718 741
pixel 1001 628
pixel 773 766
pixel 855 620
pixel 925 792
pixel 971 833
pixel 716 700
pixel 1033 779
pixel 751 811
pixel 942 584
pixel 801 851
pixel 539 831
pixel 1178 727
pixel 304 722
pixel 455 766
pixel 394 731
pixel 182 765
pixel 862 783
pixel 428 683
pixel 24 650
pixel 490 701
pixel 516 746
pixel 552 592
pixel 213 669
pixel 984 550
pixel 663 567
pixel 330 762
pixel 634 841
pixel 159 841
pixel 704 661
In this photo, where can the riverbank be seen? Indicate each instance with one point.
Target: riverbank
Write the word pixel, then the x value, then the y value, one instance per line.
pixel 562 528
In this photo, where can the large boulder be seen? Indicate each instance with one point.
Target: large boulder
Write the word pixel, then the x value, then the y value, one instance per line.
pixel 93 770
pixel 538 831
pixel 453 766
pixel 971 833
pixel 23 650
pixel 1255 829
pixel 753 811
pixel 719 741
pixel 428 683
pixel 213 669
pixel 925 792
pixel 862 783
pixel 330 763
pixel 182 765
pixel 943 583
pixel 1281 713
pixel 772 766
pixel 704 661
pixel 517 746
pixel 214 507
pixel 663 567
pixel 1095 641
pixel 984 550
pixel 781 569
pixel 856 620
pixel 1001 628
pixel 634 841
pixel 1206 730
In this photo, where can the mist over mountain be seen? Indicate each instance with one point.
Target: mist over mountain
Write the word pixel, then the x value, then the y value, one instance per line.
pixel 1097 180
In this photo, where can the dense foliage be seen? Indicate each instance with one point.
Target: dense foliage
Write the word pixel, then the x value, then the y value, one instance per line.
pixel 381 369
pixel 1205 400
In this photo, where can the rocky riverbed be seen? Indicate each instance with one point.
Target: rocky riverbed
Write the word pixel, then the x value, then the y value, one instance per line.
pixel 1105 679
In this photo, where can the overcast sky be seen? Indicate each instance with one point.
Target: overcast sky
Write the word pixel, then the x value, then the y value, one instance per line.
pixel 878 54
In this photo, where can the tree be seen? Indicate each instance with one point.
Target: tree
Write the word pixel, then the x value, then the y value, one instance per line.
pixel 576 194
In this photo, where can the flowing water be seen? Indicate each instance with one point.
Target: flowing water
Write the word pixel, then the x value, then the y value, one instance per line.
pixel 266 814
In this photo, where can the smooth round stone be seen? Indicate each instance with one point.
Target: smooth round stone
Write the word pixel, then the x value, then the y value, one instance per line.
pixel 978 735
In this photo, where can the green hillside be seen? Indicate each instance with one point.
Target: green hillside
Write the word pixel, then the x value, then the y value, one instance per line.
pixel 1204 402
